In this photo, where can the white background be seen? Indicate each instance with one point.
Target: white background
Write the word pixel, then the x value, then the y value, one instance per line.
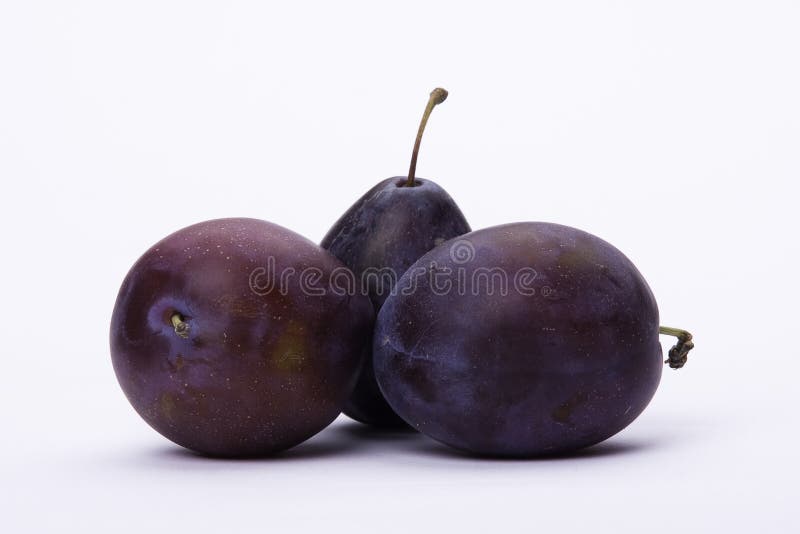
pixel 671 129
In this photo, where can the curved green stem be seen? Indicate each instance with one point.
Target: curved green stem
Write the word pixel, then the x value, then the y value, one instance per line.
pixel 438 96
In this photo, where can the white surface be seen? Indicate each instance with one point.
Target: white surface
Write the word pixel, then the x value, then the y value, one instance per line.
pixel 672 131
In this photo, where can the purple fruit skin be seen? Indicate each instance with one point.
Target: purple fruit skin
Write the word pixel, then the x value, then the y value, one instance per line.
pixel 391 226
pixel 257 373
pixel 522 375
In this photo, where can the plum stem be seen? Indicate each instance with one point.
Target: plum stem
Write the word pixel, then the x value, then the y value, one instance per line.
pixel 438 96
pixel 180 325
pixel 679 353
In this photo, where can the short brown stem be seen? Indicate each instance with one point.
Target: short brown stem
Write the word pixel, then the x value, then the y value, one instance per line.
pixel 678 354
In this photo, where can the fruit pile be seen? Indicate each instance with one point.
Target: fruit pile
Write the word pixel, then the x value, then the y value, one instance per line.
pixel 238 337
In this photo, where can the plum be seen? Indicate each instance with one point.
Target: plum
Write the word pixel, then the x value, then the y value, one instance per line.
pixel 521 340
pixel 226 340
pixel 379 237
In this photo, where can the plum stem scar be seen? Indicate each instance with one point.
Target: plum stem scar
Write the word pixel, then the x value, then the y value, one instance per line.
pixel 180 325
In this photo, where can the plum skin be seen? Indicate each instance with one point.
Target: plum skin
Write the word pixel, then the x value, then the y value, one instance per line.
pixel 521 375
pixel 389 227
pixel 257 373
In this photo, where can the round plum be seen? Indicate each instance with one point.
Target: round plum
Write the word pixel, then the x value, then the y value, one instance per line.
pixel 520 340
pixel 379 237
pixel 225 340
pixel 382 234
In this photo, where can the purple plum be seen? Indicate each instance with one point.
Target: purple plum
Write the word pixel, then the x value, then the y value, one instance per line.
pixel 521 340
pixel 226 340
pixel 379 237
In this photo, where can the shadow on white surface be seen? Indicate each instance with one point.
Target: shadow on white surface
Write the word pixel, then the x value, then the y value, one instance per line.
pixel 412 442
pixel 349 439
